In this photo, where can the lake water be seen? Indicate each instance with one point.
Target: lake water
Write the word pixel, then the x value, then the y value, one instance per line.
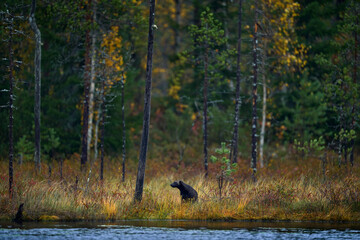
pixel 180 230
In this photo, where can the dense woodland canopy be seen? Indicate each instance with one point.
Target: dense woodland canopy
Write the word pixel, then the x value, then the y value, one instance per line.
pixel 307 58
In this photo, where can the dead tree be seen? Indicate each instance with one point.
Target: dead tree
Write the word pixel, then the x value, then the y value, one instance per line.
pixel 205 95
pixel 147 103
pixel 37 65
pixel 10 20
pixel 237 97
pixel 85 124
pixel 92 78
pixel 254 96
pixel 123 126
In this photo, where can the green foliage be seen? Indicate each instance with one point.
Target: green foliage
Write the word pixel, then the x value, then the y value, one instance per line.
pixel 25 148
pixel 50 142
pixel 305 110
pixel 345 136
pixel 302 106
pixel 314 146
pixel 341 87
pixel 226 168
pixel 210 32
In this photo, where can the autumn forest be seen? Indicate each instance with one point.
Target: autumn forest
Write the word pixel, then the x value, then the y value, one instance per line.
pixel 254 104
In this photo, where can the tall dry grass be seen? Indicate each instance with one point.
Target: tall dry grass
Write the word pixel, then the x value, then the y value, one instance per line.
pixel 295 191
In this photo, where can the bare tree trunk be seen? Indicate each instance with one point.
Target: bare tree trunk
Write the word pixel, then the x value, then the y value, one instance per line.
pixel 37 64
pixel 176 30
pixel 254 94
pixel 346 143
pixel 205 93
pixel 263 121
pixel 11 107
pixel 92 80
pixel 61 168
pixel 96 138
pixel 96 133
pixel 353 123
pixel 123 127
pixel 102 130
pixel 238 81
pixel 147 103
pixel 225 18
pixel 85 124
pixel 340 143
pixel 324 157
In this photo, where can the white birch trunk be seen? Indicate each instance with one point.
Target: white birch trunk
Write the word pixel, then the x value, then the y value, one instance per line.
pixel 37 65
pixel 92 81
pixel 263 122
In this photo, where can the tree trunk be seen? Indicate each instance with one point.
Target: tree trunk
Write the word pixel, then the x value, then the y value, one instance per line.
pixel 61 168
pixel 254 95
pixel 237 97
pixel 225 22
pixel 37 65
pixel 205 93
pixel 340 147
pixel 324 157
pixel 92 80
pixel 98 115
pixel 353 123
pixel 123 127
pixel 49 169
pixel 147 101
pixel 11 107
pixel 102 129
pixel 96 133
pixel 177 27
pixel 85 124
pixel 263 121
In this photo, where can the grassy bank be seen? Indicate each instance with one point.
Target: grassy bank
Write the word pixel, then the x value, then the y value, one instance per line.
pixel 293 192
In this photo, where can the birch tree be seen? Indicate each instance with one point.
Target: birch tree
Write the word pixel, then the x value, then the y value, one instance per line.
pixel 37 64
pixel 280 50
pixel 92 76
pixel 254 95
pixel 10 25
pixel 87 75
pixel 237 91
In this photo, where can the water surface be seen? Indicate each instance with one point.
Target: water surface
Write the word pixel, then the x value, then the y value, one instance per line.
pixel 180 230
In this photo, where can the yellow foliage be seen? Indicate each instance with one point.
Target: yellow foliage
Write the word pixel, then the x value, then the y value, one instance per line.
pixel 193 116
pixel 281 14
pixel 114 61
pixel 173 92
pixel 181 107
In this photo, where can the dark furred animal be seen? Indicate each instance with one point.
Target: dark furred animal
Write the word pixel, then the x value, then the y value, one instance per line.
pixel 18 217
pixel 186 191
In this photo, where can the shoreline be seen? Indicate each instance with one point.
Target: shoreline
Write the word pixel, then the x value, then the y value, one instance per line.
pixel 218 220
pixel 185 224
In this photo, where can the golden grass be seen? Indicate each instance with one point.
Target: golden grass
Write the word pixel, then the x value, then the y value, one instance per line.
pixel 299 195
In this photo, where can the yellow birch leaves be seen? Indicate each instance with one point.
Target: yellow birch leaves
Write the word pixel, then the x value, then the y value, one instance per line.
pixel 281 16
pixel 114 63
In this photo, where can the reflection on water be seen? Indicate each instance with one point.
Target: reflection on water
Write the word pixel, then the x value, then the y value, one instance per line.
pixel 180 230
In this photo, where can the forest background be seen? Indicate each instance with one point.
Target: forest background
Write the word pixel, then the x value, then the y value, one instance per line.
pixel 308 92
